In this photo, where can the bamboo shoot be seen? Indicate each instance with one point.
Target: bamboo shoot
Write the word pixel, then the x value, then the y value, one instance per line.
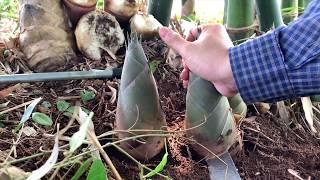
pixel 138 105
pixel 207 108
pixel 45 38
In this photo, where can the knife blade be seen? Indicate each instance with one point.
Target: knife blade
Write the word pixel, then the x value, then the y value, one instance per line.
pixel 224 169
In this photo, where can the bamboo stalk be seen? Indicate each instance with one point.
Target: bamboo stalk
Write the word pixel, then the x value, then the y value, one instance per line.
pixel 300 7
pixel 289 10
pixel 240 19
pixel 240 22
pixel 161 10
pixel 225 12
pixel 306 3
pixel 269 14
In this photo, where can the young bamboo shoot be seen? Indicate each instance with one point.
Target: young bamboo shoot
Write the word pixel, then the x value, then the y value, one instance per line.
pixel 123 10
pixel 138 105
pixel 99 32
pixel 45 38
pixel 207 108
pixel 145 26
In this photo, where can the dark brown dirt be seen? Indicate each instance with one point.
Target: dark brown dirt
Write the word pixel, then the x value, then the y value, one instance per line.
pixel 270 147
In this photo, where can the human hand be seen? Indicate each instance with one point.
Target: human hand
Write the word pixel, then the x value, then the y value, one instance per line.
pixel 207 56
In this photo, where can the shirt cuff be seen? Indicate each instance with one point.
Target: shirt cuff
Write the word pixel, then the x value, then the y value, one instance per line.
pixel 259 69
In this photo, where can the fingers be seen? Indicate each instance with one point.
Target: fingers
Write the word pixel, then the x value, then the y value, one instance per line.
pixel 184 75
pixel 174 40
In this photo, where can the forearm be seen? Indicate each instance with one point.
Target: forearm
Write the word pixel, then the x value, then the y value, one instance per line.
pixel 282 64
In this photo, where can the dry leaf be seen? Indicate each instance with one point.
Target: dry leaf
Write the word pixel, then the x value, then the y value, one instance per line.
pixel 12 173
pixel 295 174
pixel 8 91
pixel 262 107
pixel 114 94
pixel 29 131
pixel 283 112
pixel 308 112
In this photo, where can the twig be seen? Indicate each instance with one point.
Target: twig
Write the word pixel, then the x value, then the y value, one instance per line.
pixel 14 145
pixel 150 131
pixel 65 129
pixel 68 97
pixel 254 130
pixel 105 156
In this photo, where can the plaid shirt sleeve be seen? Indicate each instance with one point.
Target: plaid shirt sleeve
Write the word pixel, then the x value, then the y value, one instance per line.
pixel 282 64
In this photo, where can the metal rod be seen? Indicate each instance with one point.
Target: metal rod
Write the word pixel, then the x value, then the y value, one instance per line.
pixel 59 76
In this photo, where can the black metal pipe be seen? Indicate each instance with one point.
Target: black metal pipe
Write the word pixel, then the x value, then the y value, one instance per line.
pixel 59 76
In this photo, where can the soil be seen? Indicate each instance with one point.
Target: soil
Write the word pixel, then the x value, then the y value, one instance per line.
pixel 271 148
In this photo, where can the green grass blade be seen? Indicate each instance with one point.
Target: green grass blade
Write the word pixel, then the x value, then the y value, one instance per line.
pixel 159 167
pixel 82 169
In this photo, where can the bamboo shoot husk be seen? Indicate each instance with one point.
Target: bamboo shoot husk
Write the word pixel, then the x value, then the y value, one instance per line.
pixel 209 109
pixel 138 105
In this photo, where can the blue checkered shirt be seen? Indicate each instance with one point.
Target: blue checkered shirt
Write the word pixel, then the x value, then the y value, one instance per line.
pixel 281 64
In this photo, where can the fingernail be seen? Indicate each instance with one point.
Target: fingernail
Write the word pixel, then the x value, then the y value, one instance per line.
pixel 163 32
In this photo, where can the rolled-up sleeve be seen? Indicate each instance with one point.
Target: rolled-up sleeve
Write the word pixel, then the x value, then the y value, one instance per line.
pixel 282 64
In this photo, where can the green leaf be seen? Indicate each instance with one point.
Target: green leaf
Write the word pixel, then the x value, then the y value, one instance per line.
pixel 87 95
pixel 62 106
pixel 153 65
pixel 97 171
pixel 78 137
pixel 41 119
pixel 100 4
pixel 82 169
pixel 71 109
pixel 159 167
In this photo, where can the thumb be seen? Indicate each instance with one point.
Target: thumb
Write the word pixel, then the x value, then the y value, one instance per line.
pixel 174 40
